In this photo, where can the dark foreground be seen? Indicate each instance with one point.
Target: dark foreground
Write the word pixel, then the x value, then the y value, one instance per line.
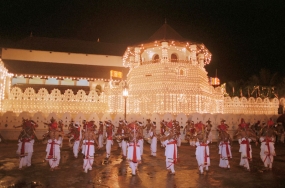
pixel 151 173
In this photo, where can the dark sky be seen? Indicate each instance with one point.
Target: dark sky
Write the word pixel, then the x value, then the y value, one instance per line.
pixel 243 36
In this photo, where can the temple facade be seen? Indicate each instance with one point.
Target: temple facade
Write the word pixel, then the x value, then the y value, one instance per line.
pixel 165 77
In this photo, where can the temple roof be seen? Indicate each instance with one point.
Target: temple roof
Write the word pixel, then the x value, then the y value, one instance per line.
pixel 61 69
pixel 69 45
pixel 165 32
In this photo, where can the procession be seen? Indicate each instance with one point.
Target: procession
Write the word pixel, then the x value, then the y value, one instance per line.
pixel 86 138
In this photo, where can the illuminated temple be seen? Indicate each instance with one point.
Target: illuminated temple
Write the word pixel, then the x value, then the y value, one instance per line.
pixel 165 76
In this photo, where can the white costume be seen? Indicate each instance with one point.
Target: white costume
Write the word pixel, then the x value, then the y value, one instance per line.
pixel 153 145
pixel 109 142
pixel 77 143
pixel 88 151
pixel 225 154
pixel 25 150
pixel 53 152
pixel 170 154
pixel 124 145
pixel 246 152
pixel 267 151
pixel 179 140
pixel 134 156
pixel 203 156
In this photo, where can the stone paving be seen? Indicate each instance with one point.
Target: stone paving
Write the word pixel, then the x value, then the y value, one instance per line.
pixel 151 173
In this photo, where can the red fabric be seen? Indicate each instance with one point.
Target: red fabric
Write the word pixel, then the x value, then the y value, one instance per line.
pixel 88 145
pixel 247 147
pixel 50 155
pixel 135 153
pixel 267 140
pixel 109 133
pixel 24 140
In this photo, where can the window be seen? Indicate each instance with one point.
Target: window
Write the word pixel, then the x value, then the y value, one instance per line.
pixel 155 58
pixel 174 58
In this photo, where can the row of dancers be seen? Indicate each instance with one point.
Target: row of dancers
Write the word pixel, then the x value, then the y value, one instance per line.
pixel 131 137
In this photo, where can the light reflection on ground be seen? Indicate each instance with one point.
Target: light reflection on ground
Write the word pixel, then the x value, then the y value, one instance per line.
pixel 151 173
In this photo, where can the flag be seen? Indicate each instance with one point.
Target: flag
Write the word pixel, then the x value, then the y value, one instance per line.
pixel 214 81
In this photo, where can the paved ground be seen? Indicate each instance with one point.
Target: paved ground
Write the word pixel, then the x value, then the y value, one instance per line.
pixel 151 174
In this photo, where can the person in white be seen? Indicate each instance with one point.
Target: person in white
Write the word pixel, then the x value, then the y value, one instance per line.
pixel 53 146
pixel 202 148
pixel 124 140
pixel 109 137
pixel 77 139
pixel 170 144
pixel 26 141
pixel 134 155
pixel 87 145
pixel 153 136
pixel 225 149
pixel 140 141
pixel 25 151
pixel 100 134
pixel 267 149
pixel 245 136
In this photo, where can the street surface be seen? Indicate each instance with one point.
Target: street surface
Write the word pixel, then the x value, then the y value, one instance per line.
pixel 152 171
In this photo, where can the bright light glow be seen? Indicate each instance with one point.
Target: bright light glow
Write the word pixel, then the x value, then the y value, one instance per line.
pixel 125 92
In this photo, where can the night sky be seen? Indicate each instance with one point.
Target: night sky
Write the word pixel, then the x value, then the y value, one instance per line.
pixel 243 36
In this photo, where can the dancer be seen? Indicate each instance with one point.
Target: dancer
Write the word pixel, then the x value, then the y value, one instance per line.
pixel 53 145
pixel 267 149
pixel 87 145
pixel 170 143
pixel 202 148
pixel 245 135
pixel 208 130
pixel 26 141
pixel 177 132
pixel 100 134
pixel 109 137
pixel 153 137
pixel 224 149
pixel 125 140
pixel 74 136
pixel 134 155
pixel 140 136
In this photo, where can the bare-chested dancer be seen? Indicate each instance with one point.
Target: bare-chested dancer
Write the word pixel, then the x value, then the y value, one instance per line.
pixel 87 145
pixel 53 145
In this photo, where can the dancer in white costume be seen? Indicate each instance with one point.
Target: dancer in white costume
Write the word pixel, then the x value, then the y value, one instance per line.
pixel 123 138
pixel 87 145
pixel 177 132
pixel 26 141
pixel 153 137
pixel 267 149
pixel 134 155
pixel 74 136
pixel 170 143
pixel 109 138
pixel 245 135
pixel 140 136
pixel 190 133
pixel 208 130
pixel 224 148
pixel 202 148
pixel 53 145
pixel 100 134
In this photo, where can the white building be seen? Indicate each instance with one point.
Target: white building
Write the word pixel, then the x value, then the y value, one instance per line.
pixel 70 79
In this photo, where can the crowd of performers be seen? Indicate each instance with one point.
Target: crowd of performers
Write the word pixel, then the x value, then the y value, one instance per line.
pixel 86 136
